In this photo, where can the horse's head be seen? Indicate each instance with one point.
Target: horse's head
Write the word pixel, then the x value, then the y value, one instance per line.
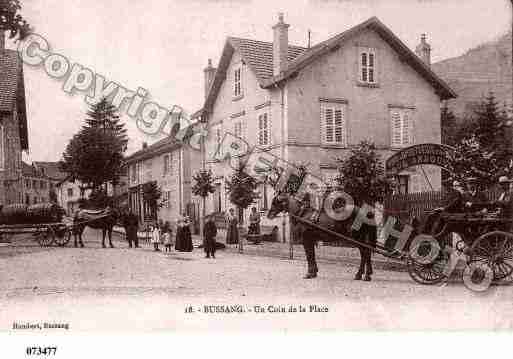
pixel 280 203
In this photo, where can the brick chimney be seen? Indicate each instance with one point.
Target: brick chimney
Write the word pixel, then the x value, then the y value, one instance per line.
pixel 144 145
pixel 423 50
pixel 280 45
pixel 209 72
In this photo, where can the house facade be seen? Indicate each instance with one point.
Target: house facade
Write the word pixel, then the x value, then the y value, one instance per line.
pixel 311 105
pixel 36 185
pixel 166 164
pixel 13 125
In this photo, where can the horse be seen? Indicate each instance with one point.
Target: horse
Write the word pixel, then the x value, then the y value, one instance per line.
pixel 367 234
pixel 103 219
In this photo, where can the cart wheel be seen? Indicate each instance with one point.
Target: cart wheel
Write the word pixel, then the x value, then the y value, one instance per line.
pixel 44 238
pixel 62 236
pixel 495 249
pixel 427 273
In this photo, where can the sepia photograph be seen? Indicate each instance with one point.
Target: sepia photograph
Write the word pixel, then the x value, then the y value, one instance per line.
pixel 255 166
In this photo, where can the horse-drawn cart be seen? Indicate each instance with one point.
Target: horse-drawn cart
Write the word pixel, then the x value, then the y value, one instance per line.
pixel 43 221
pixel 485 238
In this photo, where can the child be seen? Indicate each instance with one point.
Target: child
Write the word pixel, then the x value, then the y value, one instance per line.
pixel 155 237
pixel 167 239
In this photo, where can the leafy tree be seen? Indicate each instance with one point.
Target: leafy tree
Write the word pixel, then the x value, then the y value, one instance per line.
pixel 242 188
pixel 471 160
pixel 152 194
pixel 362 175
pixel 203 183
pixel 94 155
pixel 11 20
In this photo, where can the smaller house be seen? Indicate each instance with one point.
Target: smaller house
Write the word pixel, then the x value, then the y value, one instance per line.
pixel 166 164
pixel 35 185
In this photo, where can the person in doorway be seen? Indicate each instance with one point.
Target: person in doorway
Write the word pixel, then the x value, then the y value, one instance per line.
pixel 254 222
pixel 210 233
pixel 155 237
pixel 232 234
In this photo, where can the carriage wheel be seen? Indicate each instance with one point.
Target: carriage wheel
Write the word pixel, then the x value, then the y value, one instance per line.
pixel 62 236
pixel 428 273
pixel 44 237
pixel 496 250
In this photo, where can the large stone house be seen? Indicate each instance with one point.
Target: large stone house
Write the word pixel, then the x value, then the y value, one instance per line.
pixel 310 105
pixel 13 125
pixel 167 163
pixel 36 185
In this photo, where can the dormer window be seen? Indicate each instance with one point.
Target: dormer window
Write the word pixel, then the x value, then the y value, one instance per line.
pixel 367 61
pixel 237 82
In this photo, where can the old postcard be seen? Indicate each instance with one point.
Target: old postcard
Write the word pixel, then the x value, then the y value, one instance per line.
pixel 238 165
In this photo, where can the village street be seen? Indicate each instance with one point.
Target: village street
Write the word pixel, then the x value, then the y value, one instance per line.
pixel 138 289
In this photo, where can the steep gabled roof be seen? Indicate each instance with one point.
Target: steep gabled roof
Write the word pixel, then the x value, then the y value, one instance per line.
pixel 408 56
pixel 12 90
pixel 258 55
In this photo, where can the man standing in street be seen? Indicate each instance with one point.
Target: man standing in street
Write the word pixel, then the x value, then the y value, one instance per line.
pixel 131 224
pixel 210 233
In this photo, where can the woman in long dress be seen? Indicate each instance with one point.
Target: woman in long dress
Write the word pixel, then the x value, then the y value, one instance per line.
pixel 232 234
pixel 183 234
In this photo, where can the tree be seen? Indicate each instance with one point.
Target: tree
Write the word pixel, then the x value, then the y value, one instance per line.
pixel 362 175
pixel 203 183
pixel 242 188
pixel 104 115
pixel 11 20
pixel 94 155
pixel 449 126
pixel 471 160
pixel 484 151
pixel 152 194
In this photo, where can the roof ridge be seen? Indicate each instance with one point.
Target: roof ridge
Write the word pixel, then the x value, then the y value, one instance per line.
pixel 263 42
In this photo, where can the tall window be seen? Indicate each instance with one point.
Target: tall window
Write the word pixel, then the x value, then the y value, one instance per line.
pixel 368 65
pixel 263 130
pixel 70 192
pixel 333 123
pixel 402 127
pixel 237 83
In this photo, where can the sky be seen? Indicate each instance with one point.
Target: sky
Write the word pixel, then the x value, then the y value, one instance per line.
pixel 163 46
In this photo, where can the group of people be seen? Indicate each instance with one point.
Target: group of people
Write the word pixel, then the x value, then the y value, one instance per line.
pixel 161 232
pixel 469 199
pixel 232 233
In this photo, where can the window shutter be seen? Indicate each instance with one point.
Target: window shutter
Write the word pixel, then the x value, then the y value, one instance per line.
pixel 339 126
pixel 371 71
pixel 363 66
pixel 406 129
pixel 329 124
pixel 260 125
pixel 396 128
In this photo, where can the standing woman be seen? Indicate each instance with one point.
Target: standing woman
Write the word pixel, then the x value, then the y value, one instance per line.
pixel 187 238
pixel 232 234
pixel 179 234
